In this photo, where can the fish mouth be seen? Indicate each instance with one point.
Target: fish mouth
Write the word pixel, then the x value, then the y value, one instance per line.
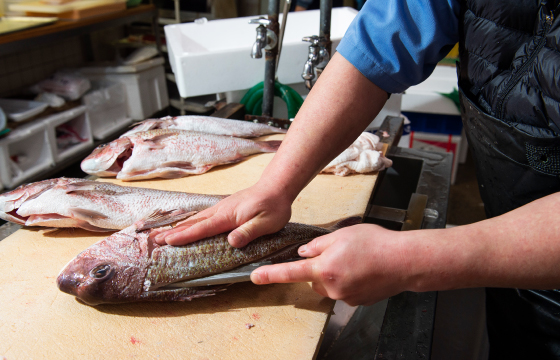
pixel 108 159
pixel 13 216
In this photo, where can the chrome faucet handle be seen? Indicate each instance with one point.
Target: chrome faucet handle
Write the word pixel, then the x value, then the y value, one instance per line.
pixel 266 39
pixel 315 40
pixel 261 21
pixel 317 55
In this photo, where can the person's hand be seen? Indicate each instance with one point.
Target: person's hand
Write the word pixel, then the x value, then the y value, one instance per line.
pixel 250 213
pixel 360 265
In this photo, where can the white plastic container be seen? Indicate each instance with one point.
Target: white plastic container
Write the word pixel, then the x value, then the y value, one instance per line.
pixel 214 56
pixel 77 120
pixel 19 110
pixel 24 153
pixel 145 86
pixel 106 108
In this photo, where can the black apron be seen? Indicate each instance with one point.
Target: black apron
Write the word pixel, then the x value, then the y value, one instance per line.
pixel 513 169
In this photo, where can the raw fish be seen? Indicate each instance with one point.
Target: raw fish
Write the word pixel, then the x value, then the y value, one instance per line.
pixel 209 125
pixel 129 266
pixel 169 154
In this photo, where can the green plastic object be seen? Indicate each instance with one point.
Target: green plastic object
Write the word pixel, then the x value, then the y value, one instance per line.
pixel 254 97
pixel 453 96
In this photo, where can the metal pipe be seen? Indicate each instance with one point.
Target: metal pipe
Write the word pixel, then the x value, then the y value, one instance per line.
pixel 287 4
pixel 270 58
pixel 325 24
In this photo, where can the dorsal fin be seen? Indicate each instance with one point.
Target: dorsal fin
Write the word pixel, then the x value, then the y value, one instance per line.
pixel 161 218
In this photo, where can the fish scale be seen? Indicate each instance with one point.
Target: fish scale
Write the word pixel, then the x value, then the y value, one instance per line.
pixel 95 205
pixel 134 268
pixel 207 256
pixel 170 154
pixel 207 124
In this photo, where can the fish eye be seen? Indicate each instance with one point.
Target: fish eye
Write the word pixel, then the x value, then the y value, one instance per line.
pixel 100 271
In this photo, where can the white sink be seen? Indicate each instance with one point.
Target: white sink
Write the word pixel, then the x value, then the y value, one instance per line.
pixel 214 56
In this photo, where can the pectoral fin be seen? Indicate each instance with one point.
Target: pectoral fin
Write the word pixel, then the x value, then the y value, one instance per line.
pixel 86 215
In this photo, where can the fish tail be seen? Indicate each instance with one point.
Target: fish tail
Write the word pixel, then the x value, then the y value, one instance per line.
pixel 269 146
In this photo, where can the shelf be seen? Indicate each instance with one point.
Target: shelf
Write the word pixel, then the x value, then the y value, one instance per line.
pixel 23 40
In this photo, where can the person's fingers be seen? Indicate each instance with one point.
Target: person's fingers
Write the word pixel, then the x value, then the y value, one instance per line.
pixel 214 225
pixel 297 271
pixel 316 246
pixel 249 231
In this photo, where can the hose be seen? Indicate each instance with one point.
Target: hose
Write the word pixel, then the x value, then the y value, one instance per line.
pixel 253 99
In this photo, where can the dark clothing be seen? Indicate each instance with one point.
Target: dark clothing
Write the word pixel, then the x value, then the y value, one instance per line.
pixel 508 74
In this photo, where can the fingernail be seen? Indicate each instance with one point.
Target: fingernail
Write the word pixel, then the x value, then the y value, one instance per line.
pixel 303 248
pixel 256 278
pixel 158 237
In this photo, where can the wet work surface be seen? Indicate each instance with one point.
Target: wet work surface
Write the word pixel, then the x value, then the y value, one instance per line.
pixel 282 321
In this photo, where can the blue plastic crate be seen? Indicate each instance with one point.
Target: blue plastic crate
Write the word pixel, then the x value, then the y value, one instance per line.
pixel 435 123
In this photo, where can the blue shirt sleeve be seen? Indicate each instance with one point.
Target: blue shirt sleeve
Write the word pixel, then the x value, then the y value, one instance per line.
pixel 397 43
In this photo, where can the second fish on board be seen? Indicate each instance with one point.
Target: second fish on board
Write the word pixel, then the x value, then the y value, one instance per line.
pixel 169 154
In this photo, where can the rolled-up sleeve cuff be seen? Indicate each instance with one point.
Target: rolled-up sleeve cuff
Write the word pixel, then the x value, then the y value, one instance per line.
pixel 356 55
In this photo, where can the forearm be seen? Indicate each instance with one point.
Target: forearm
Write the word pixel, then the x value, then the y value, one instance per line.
pixel 519 249
pixel 341 105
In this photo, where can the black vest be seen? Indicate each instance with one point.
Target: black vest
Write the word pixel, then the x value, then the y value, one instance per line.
pixel 509 76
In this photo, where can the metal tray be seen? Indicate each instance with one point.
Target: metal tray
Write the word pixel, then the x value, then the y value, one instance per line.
pixel 17 23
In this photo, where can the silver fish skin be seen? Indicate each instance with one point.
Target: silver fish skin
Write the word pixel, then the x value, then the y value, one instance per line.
pixel 98 206
pixel 128 266
pixel 170 154
pixel 207 124
pixel 11 201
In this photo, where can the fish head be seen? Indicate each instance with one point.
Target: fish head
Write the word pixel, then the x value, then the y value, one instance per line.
pixel 111 271
pixel 108 159
pixel 12 200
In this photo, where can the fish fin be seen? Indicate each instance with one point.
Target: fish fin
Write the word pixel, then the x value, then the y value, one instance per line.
pixel 161 218
pixel 270 146
pixel 87 226
pixel 179 164
pixel 86 215
pixel 159 138
pixel 86 185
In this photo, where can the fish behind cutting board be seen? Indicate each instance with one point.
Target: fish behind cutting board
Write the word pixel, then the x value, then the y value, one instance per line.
pixel 208 125
pixel 169 154
pixel 129 266
pixel 92 205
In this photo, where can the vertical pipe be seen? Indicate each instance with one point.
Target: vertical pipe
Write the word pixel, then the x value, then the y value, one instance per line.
pixel 325 23
pixel 325 32
pixel 270 60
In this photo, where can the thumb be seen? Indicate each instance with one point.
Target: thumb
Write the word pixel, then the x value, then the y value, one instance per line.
pixel 316 246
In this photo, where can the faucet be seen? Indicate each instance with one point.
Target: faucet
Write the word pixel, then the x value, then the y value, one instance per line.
pixel 317 57
pixel 266 38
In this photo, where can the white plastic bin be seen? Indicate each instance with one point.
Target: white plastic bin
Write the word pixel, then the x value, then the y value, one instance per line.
pixel 25 153
pixel 145 86
pixel 74 120
pixel 106 108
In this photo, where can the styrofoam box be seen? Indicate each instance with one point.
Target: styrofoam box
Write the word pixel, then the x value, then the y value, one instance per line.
pixel 30 144
pixel 214 56
pixel 107 108
pixel 146 91
pixel 77 118
pixel 426 98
